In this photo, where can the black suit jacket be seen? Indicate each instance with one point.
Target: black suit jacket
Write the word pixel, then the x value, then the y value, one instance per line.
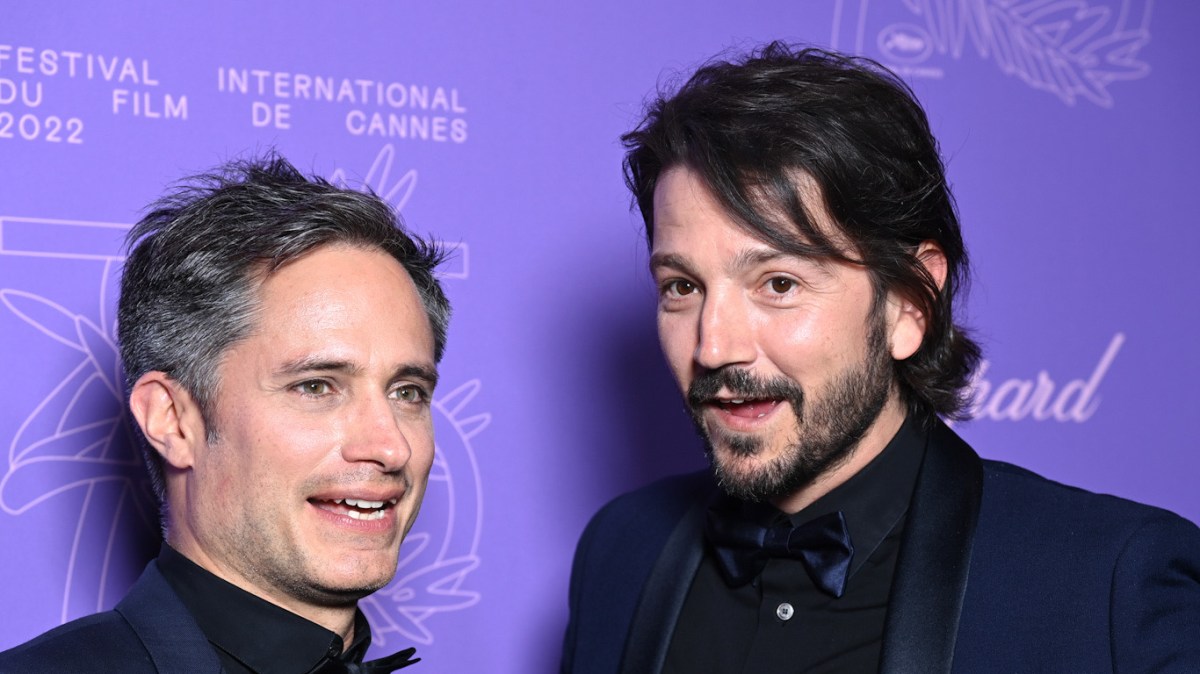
pixel 149 632
pixel 1000 570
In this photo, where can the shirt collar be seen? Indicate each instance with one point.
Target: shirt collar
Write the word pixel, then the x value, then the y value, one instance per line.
pixel 264 637
pixel 873 500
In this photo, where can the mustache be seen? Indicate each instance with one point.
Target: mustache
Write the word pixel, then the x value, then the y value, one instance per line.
pixel 742 384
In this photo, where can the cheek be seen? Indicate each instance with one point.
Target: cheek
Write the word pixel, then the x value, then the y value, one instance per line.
pixel 790 331
pixel 219 483
pixel 254 457
pixel 423 464
pixel 677 338
pixel 804 344
pixel 423 456
pixel 420 440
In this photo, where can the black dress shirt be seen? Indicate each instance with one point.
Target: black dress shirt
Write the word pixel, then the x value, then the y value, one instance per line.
pixel 781 622
pixel 252 635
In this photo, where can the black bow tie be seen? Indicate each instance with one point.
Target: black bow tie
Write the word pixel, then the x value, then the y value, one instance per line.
pixel 742 548
pixel 385 665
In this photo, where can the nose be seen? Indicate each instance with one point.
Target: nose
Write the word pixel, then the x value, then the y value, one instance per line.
pixel 377 435
pixel 726 336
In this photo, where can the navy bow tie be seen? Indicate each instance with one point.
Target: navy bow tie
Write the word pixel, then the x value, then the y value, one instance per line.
pixel 742 548
pixel 384 665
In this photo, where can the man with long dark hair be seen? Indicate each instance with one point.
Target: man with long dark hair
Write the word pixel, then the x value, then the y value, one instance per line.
pixel 809 262
pixel 280 338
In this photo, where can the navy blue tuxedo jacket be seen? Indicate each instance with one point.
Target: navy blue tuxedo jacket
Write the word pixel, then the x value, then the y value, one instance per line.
pixel 149 632
pixel 1000 570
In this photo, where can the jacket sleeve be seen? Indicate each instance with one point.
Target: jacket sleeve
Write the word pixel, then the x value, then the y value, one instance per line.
pixel 1155 607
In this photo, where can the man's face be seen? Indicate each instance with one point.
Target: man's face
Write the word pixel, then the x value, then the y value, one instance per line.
pixel 784 364
pixel 324 438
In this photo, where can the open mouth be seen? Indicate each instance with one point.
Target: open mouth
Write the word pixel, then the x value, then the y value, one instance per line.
pixel 748 408
pixel 354 508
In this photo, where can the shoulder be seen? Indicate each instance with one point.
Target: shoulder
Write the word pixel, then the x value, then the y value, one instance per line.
pixel 625 538
pixel 616 554
pixel 149 631
pixel 650 512
pixel 100 642
pixel 1082 527
pixel 1017 492
pixel 1127 533
pixel 1116 583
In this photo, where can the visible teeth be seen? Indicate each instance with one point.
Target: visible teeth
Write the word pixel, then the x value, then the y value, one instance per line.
pixel 738 401
pixel 374 515
pixel 361 503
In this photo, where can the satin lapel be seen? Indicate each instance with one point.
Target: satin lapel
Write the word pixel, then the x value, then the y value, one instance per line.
pixel 931 573
pixel 167 630
pixel 662 599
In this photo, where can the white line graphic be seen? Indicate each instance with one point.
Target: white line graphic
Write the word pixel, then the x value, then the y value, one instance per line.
pixel 1074 49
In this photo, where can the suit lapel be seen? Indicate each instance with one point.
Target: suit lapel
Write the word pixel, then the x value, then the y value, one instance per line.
pixel 931 573
pixel 664 594
pixel 169 633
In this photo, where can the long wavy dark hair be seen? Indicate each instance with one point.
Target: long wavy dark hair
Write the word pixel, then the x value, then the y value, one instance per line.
pixel 753 128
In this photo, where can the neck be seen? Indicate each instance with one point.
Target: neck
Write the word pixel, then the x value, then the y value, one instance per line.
pixel 338 619
pixel 872 443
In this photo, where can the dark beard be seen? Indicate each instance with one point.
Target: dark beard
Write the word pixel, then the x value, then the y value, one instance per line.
pixel 827 428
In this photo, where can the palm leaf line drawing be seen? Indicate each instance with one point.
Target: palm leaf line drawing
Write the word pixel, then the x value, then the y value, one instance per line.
pixel 76 438
pixel 1070 48
pixel 377 178
pixel 64 443
pixel 417 593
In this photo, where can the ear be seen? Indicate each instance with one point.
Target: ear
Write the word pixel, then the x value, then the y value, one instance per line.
pixel 169 418
pixel 907 323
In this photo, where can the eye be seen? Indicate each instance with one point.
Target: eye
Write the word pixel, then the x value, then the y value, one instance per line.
pixel 314 387
pixel 678 287
pixel 782 285
pixel 410 394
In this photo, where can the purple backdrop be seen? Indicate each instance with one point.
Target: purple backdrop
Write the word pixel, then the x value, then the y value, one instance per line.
pixel 1069 129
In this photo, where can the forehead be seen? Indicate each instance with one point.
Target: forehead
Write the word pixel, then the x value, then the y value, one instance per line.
pixel 686 207
pixel 333 292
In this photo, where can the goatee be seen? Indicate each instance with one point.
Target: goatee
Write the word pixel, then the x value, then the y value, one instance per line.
pixel 829 423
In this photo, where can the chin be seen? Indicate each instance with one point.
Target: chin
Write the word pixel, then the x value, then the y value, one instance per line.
pixel 352 574
pixel 739 470
pixel 742 453
pixel 347 590
pixel 741 473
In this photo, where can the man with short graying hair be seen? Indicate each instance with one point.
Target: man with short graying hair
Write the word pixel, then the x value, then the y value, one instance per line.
pixel 280 338
pixel 808 258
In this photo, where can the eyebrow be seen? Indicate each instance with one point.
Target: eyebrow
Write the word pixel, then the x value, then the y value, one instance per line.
pixel 744 260
pixel 671 261
pixel 750 258
pixel 315 364
pixel 429 374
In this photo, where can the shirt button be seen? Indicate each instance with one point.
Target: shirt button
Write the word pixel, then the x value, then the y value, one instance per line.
pixel 785 611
